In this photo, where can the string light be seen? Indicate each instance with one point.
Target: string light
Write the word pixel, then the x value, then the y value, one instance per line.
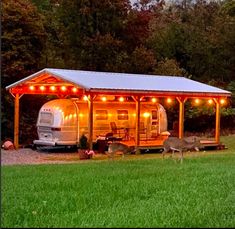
pixel 121 99
pixel 85 98
pixel 197 101
pixel 31 88
pixel 104 99
pixel 222 101
pixel 74 89
pixel 169 100
pixel 53 88
pixel 154 100
pixel 210 101
pixel 42 88
pixel 63 88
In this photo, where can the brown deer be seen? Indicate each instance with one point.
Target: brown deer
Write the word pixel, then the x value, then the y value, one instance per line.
pixel 116 147
pixel 176 144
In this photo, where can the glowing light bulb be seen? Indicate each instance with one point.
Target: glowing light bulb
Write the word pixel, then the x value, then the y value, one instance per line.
pixel 104 99
pixel 85 98
pixel 63 88
pixel 74 89
pixel 52 88
pixel 121 99
pixel 42 88
pixel 154 100
pixel 197 101
pixel 210 101
pixel 169 100
pixel 222 101
pixel 31 88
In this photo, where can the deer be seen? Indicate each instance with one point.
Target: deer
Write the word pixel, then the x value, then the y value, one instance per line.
pixel 176 144
pixel 115 147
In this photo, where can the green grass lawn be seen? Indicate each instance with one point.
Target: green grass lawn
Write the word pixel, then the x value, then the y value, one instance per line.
pixel 150 192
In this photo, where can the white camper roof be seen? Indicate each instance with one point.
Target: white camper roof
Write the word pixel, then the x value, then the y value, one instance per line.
pixel 109 81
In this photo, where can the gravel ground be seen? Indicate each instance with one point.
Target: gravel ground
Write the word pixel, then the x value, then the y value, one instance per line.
pixel 26 156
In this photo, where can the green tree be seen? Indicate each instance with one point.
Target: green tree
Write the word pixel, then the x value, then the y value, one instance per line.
pixel 137 28
pixel 142 60
pixel 228 7
pixel 199 35
pixel 23 36
pixel 169 67
pixel 86 22
pixel 53 54
pixel 100 53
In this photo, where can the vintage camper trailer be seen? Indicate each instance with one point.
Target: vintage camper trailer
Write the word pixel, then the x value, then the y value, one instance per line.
pixel 63 121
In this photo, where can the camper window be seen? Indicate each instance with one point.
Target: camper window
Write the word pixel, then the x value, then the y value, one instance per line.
pixel 154 114
pixel 122 114
pixel 101 115
pixel 45 118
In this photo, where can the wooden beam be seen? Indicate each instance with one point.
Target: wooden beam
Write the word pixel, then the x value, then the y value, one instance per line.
pixel 16 121
pixel 90 120
pixel 158 93
pixel 181 101
pixel 137 123
pixel 217 121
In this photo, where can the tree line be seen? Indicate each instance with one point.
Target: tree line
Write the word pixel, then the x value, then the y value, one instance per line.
pixel 195 39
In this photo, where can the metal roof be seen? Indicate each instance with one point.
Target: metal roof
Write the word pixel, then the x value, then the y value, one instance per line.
pixel 91 80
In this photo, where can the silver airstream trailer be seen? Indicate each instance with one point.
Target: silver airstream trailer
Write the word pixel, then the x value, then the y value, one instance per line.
pixel 63 121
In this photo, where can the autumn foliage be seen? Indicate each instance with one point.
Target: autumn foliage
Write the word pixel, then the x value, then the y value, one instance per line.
pixel 194 39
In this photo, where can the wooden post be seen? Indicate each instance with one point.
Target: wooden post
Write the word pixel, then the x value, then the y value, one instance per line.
pixel 181 101
pixel 137 123
pixel 217 121
pixel 16 121
pixel 90 120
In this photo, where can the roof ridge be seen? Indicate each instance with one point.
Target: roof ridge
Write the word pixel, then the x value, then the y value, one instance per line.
pixel 115 73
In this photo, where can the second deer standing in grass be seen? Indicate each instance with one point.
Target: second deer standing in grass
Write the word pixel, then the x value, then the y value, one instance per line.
pixel 176 144
pixel 116 147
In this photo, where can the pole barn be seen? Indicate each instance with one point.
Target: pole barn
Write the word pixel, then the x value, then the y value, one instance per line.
pixel 99 85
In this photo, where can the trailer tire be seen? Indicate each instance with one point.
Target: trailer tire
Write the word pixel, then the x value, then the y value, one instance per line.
pixel 34 147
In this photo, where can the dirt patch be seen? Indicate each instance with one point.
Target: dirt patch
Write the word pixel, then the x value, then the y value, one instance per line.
pixel 28 156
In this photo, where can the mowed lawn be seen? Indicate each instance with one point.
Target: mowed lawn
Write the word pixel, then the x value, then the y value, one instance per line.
pixel 151 192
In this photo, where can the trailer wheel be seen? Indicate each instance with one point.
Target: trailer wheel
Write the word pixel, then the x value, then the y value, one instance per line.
pixel 34 147
pixel 38 148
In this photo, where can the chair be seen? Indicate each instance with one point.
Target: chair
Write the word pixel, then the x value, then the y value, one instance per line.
pixel 143 130
pixel 114 128
pixel 127 134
